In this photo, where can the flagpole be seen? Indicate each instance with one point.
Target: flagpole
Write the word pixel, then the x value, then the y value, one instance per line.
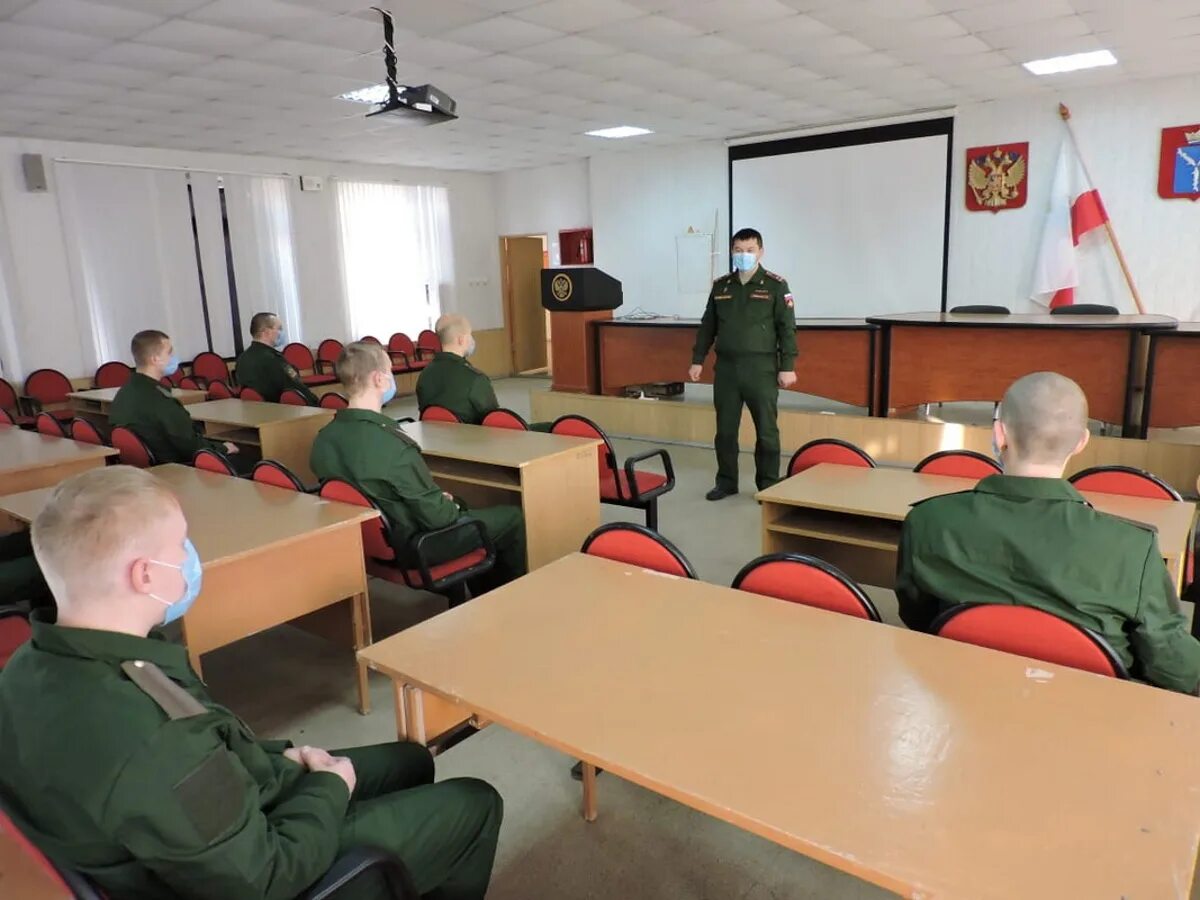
pixel 1112 235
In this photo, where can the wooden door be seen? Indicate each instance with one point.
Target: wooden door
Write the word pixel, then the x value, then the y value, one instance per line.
pixel 522 266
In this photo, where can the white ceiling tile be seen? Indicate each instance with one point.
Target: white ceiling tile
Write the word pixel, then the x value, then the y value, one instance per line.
pixel 502 33
pixel 87 18
pixel 157 7
pixel 196 37
pixel 579 15
pixel 39 39
pixel 143 56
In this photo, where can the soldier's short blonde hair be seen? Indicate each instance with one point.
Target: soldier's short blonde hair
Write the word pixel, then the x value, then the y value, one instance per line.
pixel 93 524
pixel 146 345
pixel 451 327
pixel 1045 416
pixel 357 362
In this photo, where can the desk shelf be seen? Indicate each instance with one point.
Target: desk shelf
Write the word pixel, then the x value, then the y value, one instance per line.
pixel 875 534
pixel 480 474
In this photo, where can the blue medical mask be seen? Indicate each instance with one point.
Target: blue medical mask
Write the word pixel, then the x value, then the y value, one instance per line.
pixel 470 351
pixel 193 576
pixel 389 394
pixel 281 339
pixel 744 262
pixel 172 365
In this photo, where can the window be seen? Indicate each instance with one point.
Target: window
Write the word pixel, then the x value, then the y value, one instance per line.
pixel 396 257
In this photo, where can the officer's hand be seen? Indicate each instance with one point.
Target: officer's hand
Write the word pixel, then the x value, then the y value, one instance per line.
pixel 787 379
pixel 338 765
pixel 231 448
pixel 694 372
pixel 449 496
pixel 301 756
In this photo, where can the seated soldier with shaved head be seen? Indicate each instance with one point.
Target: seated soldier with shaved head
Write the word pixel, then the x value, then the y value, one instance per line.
pixel 1028 537
pixel 450 381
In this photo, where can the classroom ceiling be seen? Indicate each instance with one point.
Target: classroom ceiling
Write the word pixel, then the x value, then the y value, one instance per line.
pixel 530 76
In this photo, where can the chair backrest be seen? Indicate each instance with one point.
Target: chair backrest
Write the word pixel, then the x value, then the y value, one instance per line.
pixel 210 367
pixel 1084 309
pixel 48 386
pixel 329 350
pixel 14 632
pixel 86 433
pixel 8 397
pixel 959 464
pixel 428 341
pixel 581 426
pixel 1124 480
pixel 807 580
pixel 112 375
pixel 439 414
pixel 31 873
pixel 247 393
pixel 188 383
pixel 276 474
pixel 371 339
pixel 48 425
pixel 176 377
pixel 1030 632
pixel 299 357
pixel 132 449
pixel 376 541
pixel 981 309
pixel 291 397
pixel 828 450
pixel 219 390
pixel 6 417
pixel 333 400
pixel 638 545
pixel 505 418
pixel 402 343
pixel 212 461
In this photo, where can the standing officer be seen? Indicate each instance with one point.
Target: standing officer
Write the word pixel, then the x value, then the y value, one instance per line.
pixel 750 314
pixel 262 366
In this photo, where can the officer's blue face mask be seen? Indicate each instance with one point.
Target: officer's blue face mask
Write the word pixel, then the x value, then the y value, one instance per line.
pixel 744 262
pixel 389 394
pixel 193 576
pixel 172 365
pixel 281 339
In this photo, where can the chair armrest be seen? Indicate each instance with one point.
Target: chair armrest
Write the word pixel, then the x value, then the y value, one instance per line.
pixel 320 367
pixel 463 522
pixel 402 356
pixel 632 461
pixel 405 420
pixel 350 865
pixel 29 406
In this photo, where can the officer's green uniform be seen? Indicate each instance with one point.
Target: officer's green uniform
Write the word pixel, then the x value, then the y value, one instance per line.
pixel 134 776
pixel 265 370
pixel 754 325
pixel 370 450
pixel 1037 542
pixel 147 409
pixel 450 381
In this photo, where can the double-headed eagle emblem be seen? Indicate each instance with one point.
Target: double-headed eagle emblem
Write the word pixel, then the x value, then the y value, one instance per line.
pixel 995 178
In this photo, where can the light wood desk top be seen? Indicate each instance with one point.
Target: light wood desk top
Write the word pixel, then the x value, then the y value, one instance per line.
pixel 494 446
pixel 251 414
pixel 21 450
pixel 1028 320
pixel 107 395
pixel 930 767
pixel 227 517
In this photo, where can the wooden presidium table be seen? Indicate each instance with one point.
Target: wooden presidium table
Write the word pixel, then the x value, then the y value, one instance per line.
pixel 941 357
pixel 852 517
pixel 269 555
pixel 1173 379
pixel 95 404
pixel 930 767
pixel 837 356
pixel 554 479
pixel 30 460
pixel 280 432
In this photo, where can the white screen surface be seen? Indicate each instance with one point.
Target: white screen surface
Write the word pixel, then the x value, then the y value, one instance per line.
pixel 857 230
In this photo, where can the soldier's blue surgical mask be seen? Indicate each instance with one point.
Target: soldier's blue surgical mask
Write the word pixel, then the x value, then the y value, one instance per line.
pixel 744 262
pixel 470 351
pixel 281 339
pixel 172 365
pixel 193 576
pixel 389 394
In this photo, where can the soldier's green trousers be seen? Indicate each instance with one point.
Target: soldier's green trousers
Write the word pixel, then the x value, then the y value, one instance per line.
pixel 444 833
pixel 750 380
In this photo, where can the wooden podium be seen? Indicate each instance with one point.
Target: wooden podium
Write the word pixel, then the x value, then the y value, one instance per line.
pixel 577 297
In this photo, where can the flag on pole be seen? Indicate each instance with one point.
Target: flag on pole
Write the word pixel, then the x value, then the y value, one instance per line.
pixel 1075 211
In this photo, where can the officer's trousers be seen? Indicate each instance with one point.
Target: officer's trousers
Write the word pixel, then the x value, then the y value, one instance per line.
pixel 444 833
pixel 752 380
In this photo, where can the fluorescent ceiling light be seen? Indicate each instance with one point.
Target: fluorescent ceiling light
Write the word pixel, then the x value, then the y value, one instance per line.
pixel 376 93
pixel 1072 63
pixel 621 131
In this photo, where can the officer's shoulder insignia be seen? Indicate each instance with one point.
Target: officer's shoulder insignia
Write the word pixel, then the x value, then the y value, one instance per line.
pixel 164 390
pixel 770 274
pixel 940 497
pixel 170 697
pixel 1144 526
pixel 292 373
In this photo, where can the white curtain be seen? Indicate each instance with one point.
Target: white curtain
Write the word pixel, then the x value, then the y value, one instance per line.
pixel 396 256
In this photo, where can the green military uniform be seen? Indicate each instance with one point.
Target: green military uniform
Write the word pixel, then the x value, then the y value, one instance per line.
pixel 132 775
pixel 754 326
pixel 450 381
pixel 147 409
pixel 1037 542
pixel 371 451
pixel 264 369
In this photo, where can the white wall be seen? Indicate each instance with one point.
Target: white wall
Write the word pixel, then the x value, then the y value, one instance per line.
pixel 544 200
pixel 46 314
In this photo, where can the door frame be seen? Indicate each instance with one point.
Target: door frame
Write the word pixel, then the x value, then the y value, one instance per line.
pixel 507 298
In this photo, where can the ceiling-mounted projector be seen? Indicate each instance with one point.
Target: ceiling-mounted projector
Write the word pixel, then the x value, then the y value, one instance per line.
pixel 423 105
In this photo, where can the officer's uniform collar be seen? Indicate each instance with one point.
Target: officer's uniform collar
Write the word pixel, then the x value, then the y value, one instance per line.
pixel 138 377
pixel 364 415
pixel 105 646
pixel 1023 488
pixel 447 356
pixel 254 344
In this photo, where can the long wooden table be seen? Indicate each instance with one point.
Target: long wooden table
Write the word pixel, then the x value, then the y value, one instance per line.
pixel 269 555
pixel 929 767
pixel 30 460
pixel 94 404
pixel 1172 397
pixel 280 432
pixel 554 479
pixel 943 357
pixel 852 517
pixel 837 356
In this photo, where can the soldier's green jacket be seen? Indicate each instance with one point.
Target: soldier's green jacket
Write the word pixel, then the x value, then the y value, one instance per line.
pixel 450 381
pixel 265 370
pixel 148 805
pixel 756 318
pixel 1037 542
pixel 147 408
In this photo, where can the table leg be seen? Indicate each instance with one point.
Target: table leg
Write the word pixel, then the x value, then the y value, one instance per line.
pixel 414 715
pixel 360 613
pixel 589 792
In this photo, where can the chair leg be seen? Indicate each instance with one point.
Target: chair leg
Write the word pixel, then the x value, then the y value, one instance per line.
pixel 652 515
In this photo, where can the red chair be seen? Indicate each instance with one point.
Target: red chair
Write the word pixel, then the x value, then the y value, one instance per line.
pixel 505 418
pixel 439 414
pixel 250 394
pixel 327 353
pixel 623 485
pixel 219 390
pixel 959 464
pixel 828 450
pixel 806 580
pixel 333 400
pixel 188 383
pixel 1031 632
pixel 86 433
pixel 209 367
pixel 47 387
pixel 401 345
pixel 1124 480
pixel 212 461
pixel 276 474
pixel 51 427
pixel 371 339
pixel 637 545
pixel 291 397
pixel 14 631
pixel 6 417
pixel 131 448
pixel 176 378
pixel 301 359
pixel 445 577
pixel 11 405
pixel 428 344
pixel 112 375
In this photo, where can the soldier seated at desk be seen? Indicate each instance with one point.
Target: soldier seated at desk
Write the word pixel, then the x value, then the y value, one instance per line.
pixel 1028 537
pixel 262 366
pixel 119 764
pixel 367 448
